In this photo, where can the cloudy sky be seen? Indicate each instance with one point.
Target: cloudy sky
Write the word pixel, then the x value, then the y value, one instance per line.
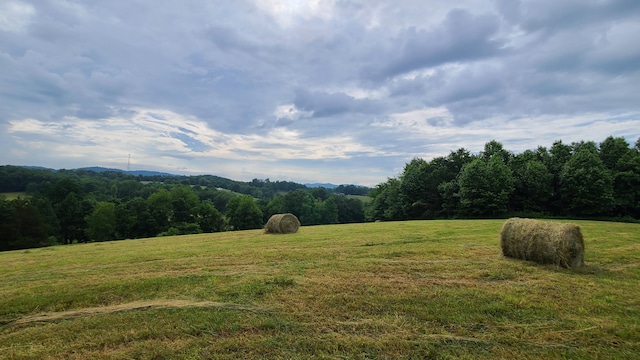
pixel 341 91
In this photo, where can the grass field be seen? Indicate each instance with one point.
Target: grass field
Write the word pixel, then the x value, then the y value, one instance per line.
pixel 14 195
pixel 364 198
pixel 394 290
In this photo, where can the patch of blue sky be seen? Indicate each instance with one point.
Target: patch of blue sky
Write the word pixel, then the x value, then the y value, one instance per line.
pixel 193 144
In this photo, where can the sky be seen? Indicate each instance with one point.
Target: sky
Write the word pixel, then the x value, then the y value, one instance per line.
pixel 338 91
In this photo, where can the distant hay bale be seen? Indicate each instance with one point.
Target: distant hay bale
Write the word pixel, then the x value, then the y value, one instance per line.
pixel 543 242
pixel 282 224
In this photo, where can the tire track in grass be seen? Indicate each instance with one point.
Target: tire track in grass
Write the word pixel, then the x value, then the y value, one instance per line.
pixel 132 306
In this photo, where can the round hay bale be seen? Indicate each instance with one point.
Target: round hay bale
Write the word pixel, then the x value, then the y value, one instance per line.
pixel 282 224
pixel 543 242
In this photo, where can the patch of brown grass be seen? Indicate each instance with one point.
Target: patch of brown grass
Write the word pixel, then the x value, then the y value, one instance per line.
pixel 132 306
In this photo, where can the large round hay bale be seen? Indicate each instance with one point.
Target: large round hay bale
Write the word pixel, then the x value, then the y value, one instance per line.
pixel 282 224
pixel 543 242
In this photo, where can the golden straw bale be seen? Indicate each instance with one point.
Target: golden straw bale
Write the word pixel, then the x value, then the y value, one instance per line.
pixel 543 242
pixel 282 224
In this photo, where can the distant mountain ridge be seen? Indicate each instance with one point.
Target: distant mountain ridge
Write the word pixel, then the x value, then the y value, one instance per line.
pixel 324 185
pixel 99 169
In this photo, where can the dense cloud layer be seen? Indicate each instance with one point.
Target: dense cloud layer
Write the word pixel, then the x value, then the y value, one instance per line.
pixel 327 91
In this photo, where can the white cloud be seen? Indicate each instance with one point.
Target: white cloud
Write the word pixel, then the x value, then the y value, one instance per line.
pixel 148 132
pixel 418 123
pixel 290 112
pixel 435 129
pixel 289 13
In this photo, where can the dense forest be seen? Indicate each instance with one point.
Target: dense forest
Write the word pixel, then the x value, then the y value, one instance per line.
pixel 67 206
pixel 580 180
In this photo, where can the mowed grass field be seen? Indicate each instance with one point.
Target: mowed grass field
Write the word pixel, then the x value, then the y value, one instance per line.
pixel 390 290
pixel 14 195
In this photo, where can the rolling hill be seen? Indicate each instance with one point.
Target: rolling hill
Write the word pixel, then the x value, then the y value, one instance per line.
pixel 396 290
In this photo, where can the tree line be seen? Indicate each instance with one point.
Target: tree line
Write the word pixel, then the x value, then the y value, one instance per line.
pixel 580 180
pixel 67 206
pixel 577 180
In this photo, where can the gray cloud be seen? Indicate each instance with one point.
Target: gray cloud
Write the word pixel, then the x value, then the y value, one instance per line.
pixel 323 104
pixel 461 37
pixel 342 91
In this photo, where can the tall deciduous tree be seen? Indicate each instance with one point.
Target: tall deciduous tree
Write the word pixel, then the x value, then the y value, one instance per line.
pixel 560 155
pixel 612 150
pixel 184 203
pixel 161 206
pixel 495 149
pixel 9 225
pixel 586 186
pixel 294 202
pixel 386 204
pixel 623 163
pixel 533 182
pixel 414 188
pixel 101 223
pixel 485 187
pixel 537 185
pixel 209 218
pixel 71 212
pixel 243 213
pixel 328 210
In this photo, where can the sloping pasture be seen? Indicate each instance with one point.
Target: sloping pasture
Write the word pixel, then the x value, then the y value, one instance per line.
pixel 417 289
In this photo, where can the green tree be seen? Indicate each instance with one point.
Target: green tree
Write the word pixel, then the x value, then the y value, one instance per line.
pixel 560 154
pixel 127 189
pixel 386 204
pixel 626 189
pixel 415 188
pixel 101 223
pixel 350 210
pixel 63 188
pixel 48 216
pixel 20 225
pixel 275 206
pixel 623 163
pixel 612 150
pixel 294 202
pixel 485 187
pixel 319 193
pixel 311 209
pixel 533 182
pixel 243 213
pixel 537 186
pixel 9 225
pixel 209 218
pixel 586 186
pixel 71 212
pixel 495 149
pixel 161 206
pixel 143 223
pixel 33 229
pixel 328 210
pixel 450 193
pixel 184 203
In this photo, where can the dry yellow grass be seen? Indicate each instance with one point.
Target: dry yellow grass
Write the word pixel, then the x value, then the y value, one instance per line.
pixel 421 289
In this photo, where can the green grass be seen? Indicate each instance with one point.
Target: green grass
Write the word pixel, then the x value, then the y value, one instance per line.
pixel 364 198
pixel 14 195
pixel 390 290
